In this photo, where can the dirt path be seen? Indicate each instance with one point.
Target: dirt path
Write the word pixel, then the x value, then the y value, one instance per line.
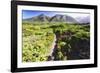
pixel 53 45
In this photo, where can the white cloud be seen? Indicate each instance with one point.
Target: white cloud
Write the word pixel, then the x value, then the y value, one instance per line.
pixel 75 15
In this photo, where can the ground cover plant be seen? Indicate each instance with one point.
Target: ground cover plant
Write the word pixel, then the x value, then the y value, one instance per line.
pixel 55 41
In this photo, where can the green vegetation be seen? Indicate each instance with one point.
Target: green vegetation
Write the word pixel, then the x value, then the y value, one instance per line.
pixel 72 41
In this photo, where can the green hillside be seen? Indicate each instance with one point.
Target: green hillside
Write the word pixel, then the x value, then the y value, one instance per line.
pixel 72 41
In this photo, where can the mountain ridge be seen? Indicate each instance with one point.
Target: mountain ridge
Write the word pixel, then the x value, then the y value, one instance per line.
pixel 55 18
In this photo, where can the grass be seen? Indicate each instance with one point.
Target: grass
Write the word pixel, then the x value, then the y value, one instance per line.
pixel 38 39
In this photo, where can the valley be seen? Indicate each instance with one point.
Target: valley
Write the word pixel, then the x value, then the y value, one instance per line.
pixel 55 40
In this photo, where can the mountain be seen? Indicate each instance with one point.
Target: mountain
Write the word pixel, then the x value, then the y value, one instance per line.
pixel 39 18
pixel 83 19
pixel 42 18
pixel 56 18
pixel 63 18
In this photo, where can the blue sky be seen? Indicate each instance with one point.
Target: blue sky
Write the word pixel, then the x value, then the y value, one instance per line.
pixel 31 13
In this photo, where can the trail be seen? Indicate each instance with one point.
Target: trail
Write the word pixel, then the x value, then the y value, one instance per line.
pixel 53 45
